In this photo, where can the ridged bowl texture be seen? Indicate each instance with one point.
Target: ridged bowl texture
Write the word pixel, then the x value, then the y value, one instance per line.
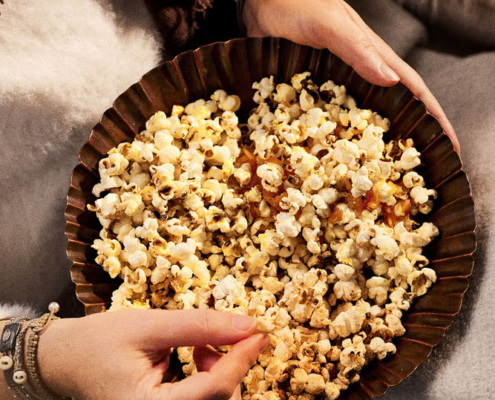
pixel 234 66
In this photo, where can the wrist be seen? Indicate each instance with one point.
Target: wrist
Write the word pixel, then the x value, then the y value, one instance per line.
pixel 53 363
pixel 251 18
pixel 264 18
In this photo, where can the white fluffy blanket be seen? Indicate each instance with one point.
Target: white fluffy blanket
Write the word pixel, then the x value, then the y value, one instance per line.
pixel 63 62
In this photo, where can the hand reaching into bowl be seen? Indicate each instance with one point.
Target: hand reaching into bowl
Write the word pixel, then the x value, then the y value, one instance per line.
pixel 124 355
pixel 334 25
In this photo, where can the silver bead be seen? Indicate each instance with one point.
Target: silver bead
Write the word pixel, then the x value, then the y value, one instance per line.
pixel 20 377
pixel 53 307
pixel 6 363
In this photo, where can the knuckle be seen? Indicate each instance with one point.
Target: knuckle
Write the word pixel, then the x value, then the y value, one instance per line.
pixel 223 391
pixel 163 391
pixel 206 321
pixel 364 48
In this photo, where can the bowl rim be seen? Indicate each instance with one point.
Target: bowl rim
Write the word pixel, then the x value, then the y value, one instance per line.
pixel 276 42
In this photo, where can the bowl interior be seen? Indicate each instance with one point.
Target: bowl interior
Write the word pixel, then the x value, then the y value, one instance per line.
pixel 233 66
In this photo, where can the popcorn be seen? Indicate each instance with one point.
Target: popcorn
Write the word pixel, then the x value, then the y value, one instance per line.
pixel 360 182
pixel 380 348
pixel 386 246
pixel 294 201
pixel 264 88
pixel 353 355
pixel 413 179
pixel 408 160
pixel 114 164
pixel 271 176
pixel 226 102
pixel 181 251
pixel 285 93
pixel 299 79
pixel 301 218
pixel 378 289
pixel 287 226
pixel 346 152
pixel 329 195
pixel 347 287
pixel 349 321
pixel 421 280
pixel 420 195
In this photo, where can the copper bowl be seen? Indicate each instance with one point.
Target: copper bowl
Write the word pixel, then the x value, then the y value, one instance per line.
pixel 233 66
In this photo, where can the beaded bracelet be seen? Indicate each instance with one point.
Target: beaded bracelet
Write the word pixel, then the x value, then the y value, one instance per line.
pixel 20 377
pixel 7 345
pixel 37 327
pixel 13 340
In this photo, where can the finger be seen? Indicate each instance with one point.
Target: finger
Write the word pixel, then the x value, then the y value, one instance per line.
pixel 237 393
pixel 153 329
pixel 408 76
pixel 345 38
pixel 205 357
pixel 332 28
pixel 221 381
pixel 329 26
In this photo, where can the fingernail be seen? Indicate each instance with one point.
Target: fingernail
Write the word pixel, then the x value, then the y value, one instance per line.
pixel 264 342
pixel 243 323
pixel 388 73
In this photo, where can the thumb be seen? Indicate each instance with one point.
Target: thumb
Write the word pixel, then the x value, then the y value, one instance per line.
pixel 205 357
pixel 221 380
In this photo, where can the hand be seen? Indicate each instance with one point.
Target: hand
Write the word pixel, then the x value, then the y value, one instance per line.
pixel 334 25
pixel 125 354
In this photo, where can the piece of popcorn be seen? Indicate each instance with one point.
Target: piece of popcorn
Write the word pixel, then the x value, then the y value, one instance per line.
pixel 157 122
pixel 421 280
pixel 353 355
pixel 380 348
pixel 386 246
pixel 181 279
pixel 114 164
pixel 378 289
pixel 345 152
pixel 314 182
pixel 361 182
pixel 338 173
pixel 226 102
pixel 136 281
pixel 408 160
pixel 284 93
pixel 181 251
pixel 302 162
pixel 347 287
pixel 349 321
pixel 332 391
pixel 287 226
pixel 421 195
pixel 412 179
pixel 271 176
pixel 298 80
pixel 294 201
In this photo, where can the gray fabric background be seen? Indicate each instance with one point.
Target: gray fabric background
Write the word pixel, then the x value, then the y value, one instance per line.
pixel 45 118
